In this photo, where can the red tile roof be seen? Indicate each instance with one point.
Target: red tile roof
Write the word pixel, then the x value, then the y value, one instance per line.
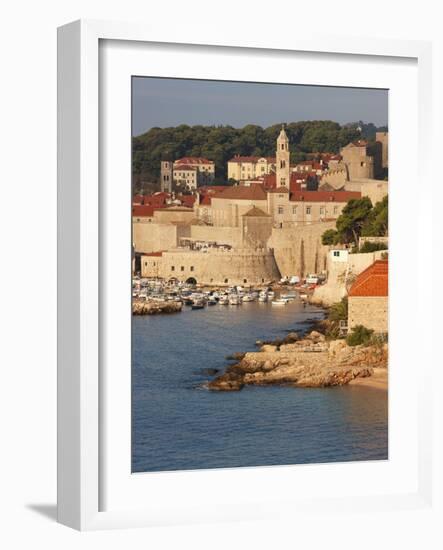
pixel 193 160
pixel 160 253
pixel 143 211
pixel 373 281
pixel 242 192
pixel 184 167
pixel 325 196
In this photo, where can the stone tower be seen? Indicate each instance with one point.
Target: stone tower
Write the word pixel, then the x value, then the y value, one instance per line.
pixel 166 176
pixel 282 159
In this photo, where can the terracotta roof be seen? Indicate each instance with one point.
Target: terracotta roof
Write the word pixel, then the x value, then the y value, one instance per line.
pixel 325 196
pixel 373 281
pixel 193 160
pixel 184 167
pixel 281 189
pixel 143 211
pixel 256 213
pixel 205 200
pixel 154 253
pixel 242 192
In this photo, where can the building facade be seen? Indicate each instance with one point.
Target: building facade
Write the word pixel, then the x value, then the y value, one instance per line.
pixel 368 298
pixel 241 168
pixel 282 160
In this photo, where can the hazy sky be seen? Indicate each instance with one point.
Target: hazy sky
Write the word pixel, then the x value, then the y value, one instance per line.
pixel 167 102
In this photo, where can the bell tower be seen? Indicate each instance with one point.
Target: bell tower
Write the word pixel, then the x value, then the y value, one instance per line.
pixel 282 159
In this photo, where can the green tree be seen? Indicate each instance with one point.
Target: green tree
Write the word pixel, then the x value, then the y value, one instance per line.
pixel 349 224
pixel 376 224
pixel 329 237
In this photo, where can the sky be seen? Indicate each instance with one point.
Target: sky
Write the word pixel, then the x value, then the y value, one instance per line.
pixel 164 102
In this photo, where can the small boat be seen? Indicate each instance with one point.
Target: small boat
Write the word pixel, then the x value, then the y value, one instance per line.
pixel 234 300
pixel 279 302
pixel 248 298
pixel 223 300
pixel 289 296
pixel 188 302
pixel 271 294
pixel 263 298
pixel 303 296
pixel 198 304
pixel 212 301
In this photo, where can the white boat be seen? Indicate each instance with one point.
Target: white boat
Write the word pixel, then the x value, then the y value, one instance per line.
pixel 290 296
pixel 248 298
pixel 263 298
pixel 234 300
pixel 223 300
pixel 303 296
pixel 271 294
pixel 279 302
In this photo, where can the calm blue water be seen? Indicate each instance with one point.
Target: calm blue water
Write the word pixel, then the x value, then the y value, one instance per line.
pixel 179 426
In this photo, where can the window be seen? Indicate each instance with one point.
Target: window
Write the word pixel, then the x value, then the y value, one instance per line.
pixel 146 263
pixel 192 268
pixel 308 210
pixel 335 209
pixel 283 146
pixel 322 210
pixel 294 210
pixel 182 268
pixel 336 253
pixel 280 209
pixel 282 164
pixel 245 280
pixel 172 267
pixel 226 280
pixel 283 181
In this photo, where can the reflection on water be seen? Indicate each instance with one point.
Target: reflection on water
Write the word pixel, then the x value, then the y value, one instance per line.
pixel 178 425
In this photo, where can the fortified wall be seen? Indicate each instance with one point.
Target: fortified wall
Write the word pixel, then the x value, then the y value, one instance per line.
pixel 298 249
pixel 213 267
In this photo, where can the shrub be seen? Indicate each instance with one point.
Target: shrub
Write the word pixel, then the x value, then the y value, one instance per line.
pixel 360 335
pixel 372 247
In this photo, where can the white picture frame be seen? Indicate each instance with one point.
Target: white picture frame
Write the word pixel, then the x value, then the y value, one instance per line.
pixel 80 368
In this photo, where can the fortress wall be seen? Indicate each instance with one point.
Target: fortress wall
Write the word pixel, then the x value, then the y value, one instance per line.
pixel 152 237
pixel 222 235
pixel 298 250
pixel 221 268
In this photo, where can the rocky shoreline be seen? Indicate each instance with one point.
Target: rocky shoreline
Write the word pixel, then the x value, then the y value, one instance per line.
pixel 152 308
pixel 310 362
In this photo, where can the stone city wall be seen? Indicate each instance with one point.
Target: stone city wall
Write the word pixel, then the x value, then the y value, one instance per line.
pixel 298 250
pixel 213 267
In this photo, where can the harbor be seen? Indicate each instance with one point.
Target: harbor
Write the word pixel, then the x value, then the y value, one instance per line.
pixel 151 296
pixel 175 356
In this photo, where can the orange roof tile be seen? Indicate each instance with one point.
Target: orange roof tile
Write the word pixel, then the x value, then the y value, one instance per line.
pixel 373 281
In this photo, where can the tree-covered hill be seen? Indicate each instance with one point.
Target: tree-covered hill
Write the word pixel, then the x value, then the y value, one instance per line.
pixel 220 143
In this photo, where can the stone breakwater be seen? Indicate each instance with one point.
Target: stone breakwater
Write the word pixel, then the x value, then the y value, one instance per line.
pixel 311 362
pixel 153 308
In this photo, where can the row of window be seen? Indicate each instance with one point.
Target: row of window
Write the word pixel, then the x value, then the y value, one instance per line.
pixel 308 210
pixel 182 268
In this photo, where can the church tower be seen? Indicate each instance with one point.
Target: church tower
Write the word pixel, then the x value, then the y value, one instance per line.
pixel 166 176
pixel 282 159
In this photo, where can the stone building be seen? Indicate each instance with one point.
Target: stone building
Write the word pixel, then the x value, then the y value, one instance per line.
pixel 204 171
pixel 383 138
pixel 376 190
pixel 185 176
pixel 306 207
pixel 241 168
pixel 359 164
pixel 368 298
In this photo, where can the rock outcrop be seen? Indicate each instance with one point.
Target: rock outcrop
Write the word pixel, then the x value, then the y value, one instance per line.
pixel 311 362
pixel 152 308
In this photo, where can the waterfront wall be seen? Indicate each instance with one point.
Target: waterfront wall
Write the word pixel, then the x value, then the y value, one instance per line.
pixel 369 311
pixel 298 250
pixel 213 267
